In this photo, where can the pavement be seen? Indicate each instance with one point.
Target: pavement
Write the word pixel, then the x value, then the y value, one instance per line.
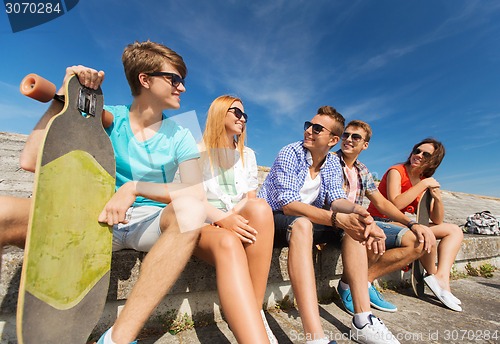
pixel 423 320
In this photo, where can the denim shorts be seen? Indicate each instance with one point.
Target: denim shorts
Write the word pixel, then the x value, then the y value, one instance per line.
pixel 393 232
pixel 141 232
pixel 321 234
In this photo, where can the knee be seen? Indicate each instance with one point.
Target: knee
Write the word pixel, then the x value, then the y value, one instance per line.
pixel 228 243
pixel 259 207
pixel 457 232
pixel 187 213
pixel 302 231
pixel 413 247
pixel 452 231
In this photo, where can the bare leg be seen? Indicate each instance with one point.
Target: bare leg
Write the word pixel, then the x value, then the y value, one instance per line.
pixel 161 267
pixel 14 217
pixel 428 261
pixel 355 262
pixel 396 258
pixel 451 239
pixel 301 270
pixel 223 249
pixel 259 254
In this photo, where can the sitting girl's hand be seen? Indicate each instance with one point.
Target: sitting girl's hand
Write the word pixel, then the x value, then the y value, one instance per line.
pixel 239 225
pixel 431 183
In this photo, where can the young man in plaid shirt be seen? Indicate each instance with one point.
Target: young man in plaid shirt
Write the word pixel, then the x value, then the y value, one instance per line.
pixel 405 242
pixel 304 189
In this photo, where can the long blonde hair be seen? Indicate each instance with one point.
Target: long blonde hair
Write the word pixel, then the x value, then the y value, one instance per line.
pixel 215 134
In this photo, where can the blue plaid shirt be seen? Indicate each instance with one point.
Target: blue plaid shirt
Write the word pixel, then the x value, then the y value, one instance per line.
pixel 288 174
pixel 366 184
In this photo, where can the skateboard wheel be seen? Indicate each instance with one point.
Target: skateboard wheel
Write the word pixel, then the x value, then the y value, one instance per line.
pixel 38 88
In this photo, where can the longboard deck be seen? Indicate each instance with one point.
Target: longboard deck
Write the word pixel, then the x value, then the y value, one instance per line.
pixel 66 270
pixel 417 271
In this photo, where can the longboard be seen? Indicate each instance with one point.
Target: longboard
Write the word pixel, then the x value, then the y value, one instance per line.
pixel 417 271
pixel 67 258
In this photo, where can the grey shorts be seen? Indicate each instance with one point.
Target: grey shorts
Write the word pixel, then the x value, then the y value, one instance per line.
pixel 393 232
pixel 142 230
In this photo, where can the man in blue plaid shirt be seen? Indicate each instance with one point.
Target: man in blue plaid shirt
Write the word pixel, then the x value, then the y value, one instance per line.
pixel 304 189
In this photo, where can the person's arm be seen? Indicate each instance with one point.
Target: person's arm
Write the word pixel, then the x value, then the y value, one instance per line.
pixel 343 205
pixel 362 229
pixel 402 200
pixel 190 185
pixel 423 233
pixel 313 213
pixel 88 77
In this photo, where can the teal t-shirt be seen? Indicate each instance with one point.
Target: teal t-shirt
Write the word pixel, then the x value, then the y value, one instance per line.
pixel 155 160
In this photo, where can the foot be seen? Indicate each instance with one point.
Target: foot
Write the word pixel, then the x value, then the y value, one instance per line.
pixel 375 332
pixel 106 338
pixel 453 297
pixel 433 284
pixel 377 301
pixel 346 297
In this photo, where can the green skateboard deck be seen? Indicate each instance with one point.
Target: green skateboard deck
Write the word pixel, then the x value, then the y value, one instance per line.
pixel 67 259
pixel 417 272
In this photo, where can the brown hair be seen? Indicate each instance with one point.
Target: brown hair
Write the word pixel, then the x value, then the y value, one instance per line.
pixel 148 57
pixel 430 164
pixel 338 128
pixel 363 125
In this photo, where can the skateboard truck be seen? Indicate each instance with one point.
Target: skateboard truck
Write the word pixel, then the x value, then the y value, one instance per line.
pixel 87 101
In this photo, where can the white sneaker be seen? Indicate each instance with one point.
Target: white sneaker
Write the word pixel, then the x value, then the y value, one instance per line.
pixel 270 335
pixel 453 297
pixel 375 332
pixel 433 285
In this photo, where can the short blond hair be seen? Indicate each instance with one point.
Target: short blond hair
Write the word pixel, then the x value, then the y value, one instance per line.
pixel 330 111
pixel 363 125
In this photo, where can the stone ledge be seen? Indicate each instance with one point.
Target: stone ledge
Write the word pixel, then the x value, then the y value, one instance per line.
pixel 199 277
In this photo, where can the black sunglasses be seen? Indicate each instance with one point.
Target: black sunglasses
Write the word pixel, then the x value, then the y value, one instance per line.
pixel 417 151
pixel 175 79
pixel 316 128
pixel 238 113
pixel 354 137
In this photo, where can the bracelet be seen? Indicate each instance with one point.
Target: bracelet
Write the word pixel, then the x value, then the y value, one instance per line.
pixel 333 219
pixel 411 223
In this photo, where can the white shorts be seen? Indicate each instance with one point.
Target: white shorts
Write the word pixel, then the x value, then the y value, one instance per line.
pixel 141 232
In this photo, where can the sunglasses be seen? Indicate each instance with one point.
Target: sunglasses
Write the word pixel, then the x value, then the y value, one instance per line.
pixel 354 137
pixel 417 151
pixel 316 128
pixel 175 79
pixel 238 113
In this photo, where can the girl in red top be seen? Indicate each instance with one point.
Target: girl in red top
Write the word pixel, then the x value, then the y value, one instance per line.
pixel 403 185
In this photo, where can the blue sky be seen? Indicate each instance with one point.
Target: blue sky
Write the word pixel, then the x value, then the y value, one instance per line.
pixel 411 69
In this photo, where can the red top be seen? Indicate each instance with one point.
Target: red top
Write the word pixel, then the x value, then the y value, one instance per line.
pixel 405 185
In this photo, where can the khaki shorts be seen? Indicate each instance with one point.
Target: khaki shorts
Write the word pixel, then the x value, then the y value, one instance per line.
pixel 141 232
